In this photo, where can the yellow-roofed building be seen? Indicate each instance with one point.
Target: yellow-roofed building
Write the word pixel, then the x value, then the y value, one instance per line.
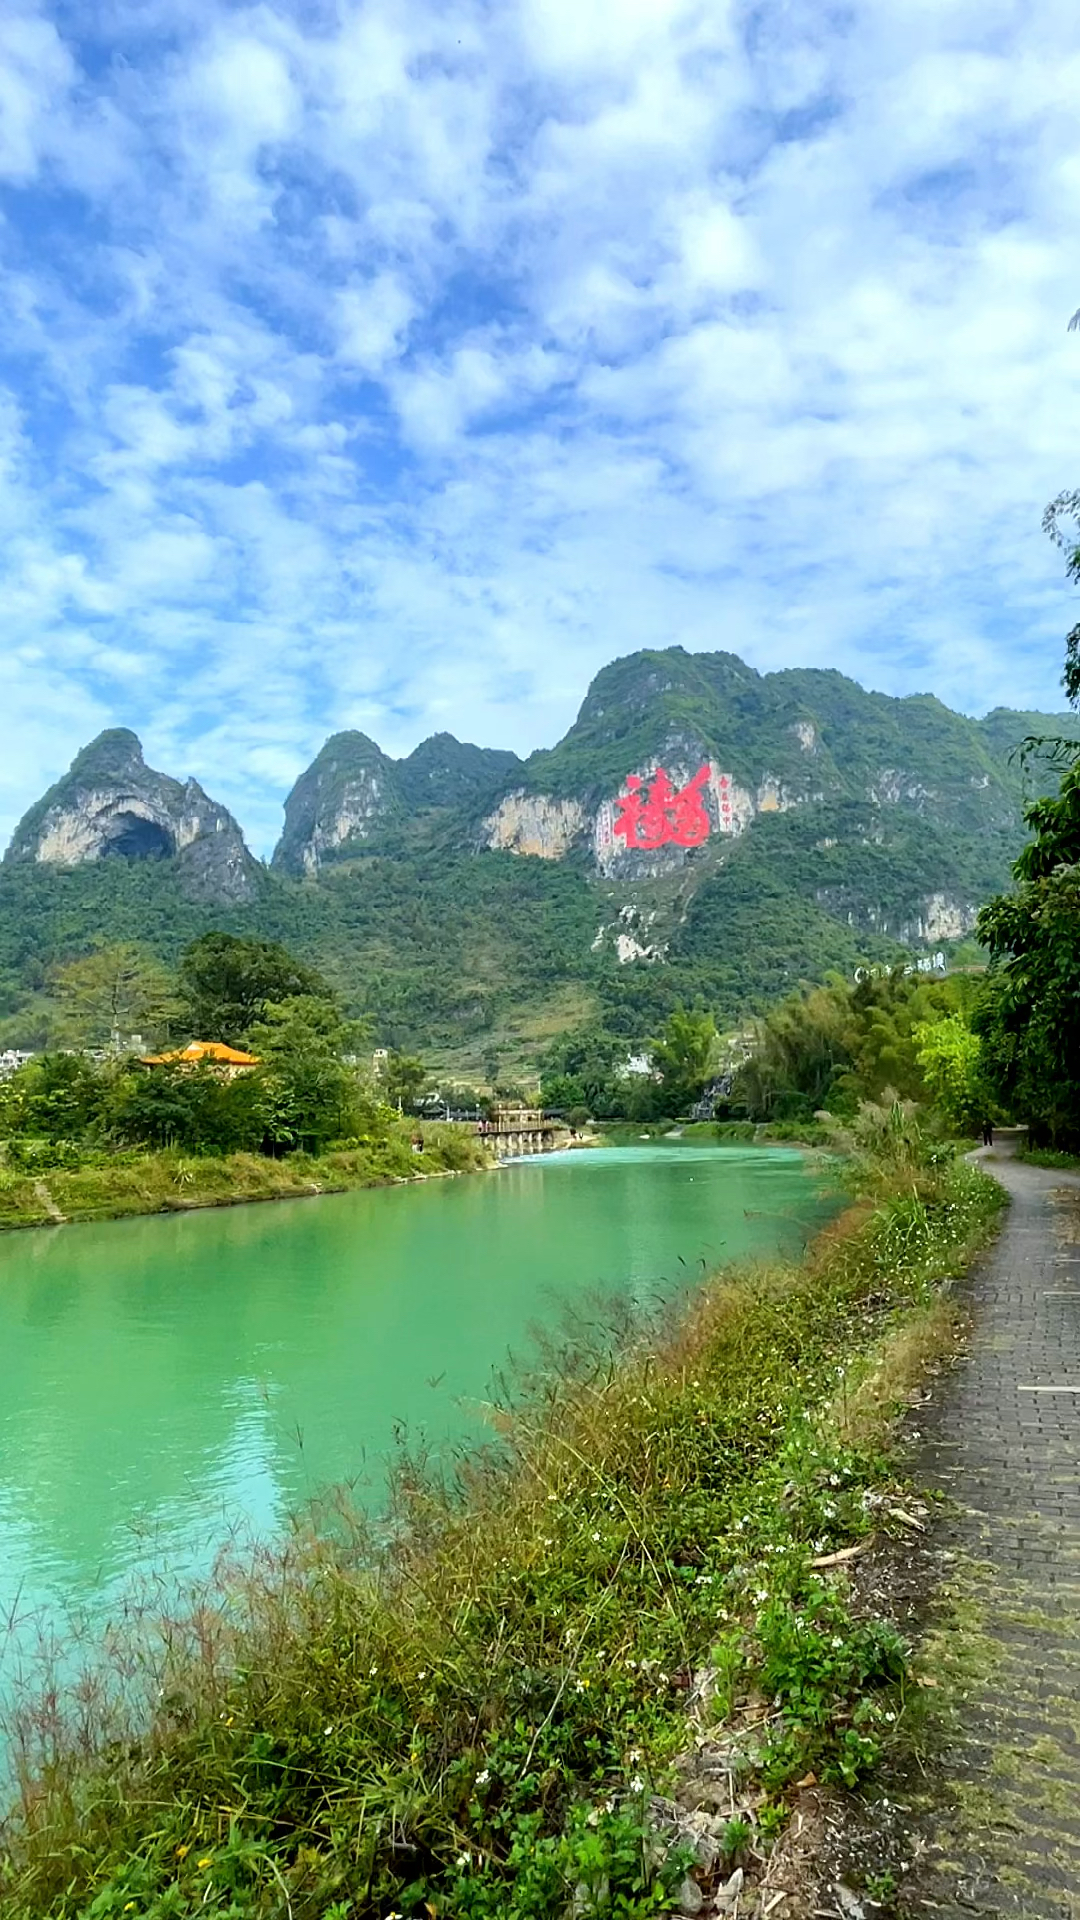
pixel 229 1060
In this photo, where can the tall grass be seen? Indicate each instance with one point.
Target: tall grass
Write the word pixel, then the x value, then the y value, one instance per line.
pixel 468 1716
pixel 106 1186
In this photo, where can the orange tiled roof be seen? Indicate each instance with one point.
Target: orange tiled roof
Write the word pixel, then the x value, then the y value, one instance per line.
pixel 203 1050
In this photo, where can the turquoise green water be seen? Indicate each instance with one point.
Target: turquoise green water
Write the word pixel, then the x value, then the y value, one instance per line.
pixel 164 1381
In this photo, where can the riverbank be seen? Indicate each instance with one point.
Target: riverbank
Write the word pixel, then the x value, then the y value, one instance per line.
pixel 615 1652
pixel 114 1186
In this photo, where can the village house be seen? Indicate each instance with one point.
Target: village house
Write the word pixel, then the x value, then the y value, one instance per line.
pixel 228 1061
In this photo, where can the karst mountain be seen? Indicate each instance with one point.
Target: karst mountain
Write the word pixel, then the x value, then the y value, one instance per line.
pixel 702 832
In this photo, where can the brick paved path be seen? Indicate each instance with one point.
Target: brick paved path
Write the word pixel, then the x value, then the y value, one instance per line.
pixel 1004 1445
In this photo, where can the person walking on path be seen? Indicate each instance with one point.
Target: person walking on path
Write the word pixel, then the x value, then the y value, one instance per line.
pixel 988 1133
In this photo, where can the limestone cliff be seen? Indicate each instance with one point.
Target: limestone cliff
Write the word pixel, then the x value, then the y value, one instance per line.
pixel 352 789
pixel 535 823
pixel 348 788
pixel 549 827
pixel 111 806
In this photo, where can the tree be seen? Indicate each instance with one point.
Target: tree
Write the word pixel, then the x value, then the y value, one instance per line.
pixel 177 1105
pixel 59 1096
pixel 307 1095
pixel 950 1059
pixel 684 1056
pixel 112 992
pixel 226 985
pixel 582 1069
pixel 1030 1023
pixel 800 1050
pixel 840 1044
pixel 403 1079
pixel 1055 522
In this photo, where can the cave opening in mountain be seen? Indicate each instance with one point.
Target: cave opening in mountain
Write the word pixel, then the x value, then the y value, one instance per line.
pixel 130 837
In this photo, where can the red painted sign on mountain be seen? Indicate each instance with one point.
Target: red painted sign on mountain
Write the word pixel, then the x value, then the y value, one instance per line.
pixel 658 816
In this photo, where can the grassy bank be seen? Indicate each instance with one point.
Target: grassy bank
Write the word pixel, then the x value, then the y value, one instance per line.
pixel 477 1724
pixel 107 1186
pixel 1049 1157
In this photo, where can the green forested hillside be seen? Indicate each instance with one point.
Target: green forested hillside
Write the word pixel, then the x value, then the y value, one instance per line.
pixel 752 723
pixel 461 955
pixel 886 824
pixel 464 954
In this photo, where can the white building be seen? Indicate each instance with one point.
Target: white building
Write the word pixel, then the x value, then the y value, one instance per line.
pixel 11 1060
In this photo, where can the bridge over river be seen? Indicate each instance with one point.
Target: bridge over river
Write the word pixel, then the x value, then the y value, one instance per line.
pixel 514 1131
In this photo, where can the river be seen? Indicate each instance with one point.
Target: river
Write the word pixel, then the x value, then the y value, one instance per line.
pixel 166 1380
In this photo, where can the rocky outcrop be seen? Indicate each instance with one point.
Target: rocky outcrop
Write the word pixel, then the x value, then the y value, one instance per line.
pixel 729 809
pixel 540 824
pixel 535 823
pixel 628 936
pixel 112 806
pixel 941 919
pixel 349 788
pixel 891 787
pixel 352 789
pixel 937 917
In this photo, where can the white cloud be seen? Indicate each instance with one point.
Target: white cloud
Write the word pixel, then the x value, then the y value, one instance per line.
pixel 372 321
pixel 36 72
pixel 397 365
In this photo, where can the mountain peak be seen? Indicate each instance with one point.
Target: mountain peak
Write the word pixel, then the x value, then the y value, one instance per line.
pixel 114 752
pixel 111 805
pixel 349 784
pixel 352 788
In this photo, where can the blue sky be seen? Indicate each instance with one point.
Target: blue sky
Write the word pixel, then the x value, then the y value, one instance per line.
pixel 396 365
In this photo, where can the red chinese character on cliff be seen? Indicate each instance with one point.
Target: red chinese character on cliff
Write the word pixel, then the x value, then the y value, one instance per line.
pixel 661 816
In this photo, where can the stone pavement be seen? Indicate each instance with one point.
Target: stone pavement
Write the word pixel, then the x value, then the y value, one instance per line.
pixel 1003 1443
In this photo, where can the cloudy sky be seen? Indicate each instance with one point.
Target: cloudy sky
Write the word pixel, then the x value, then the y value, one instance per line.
pixel 396 364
